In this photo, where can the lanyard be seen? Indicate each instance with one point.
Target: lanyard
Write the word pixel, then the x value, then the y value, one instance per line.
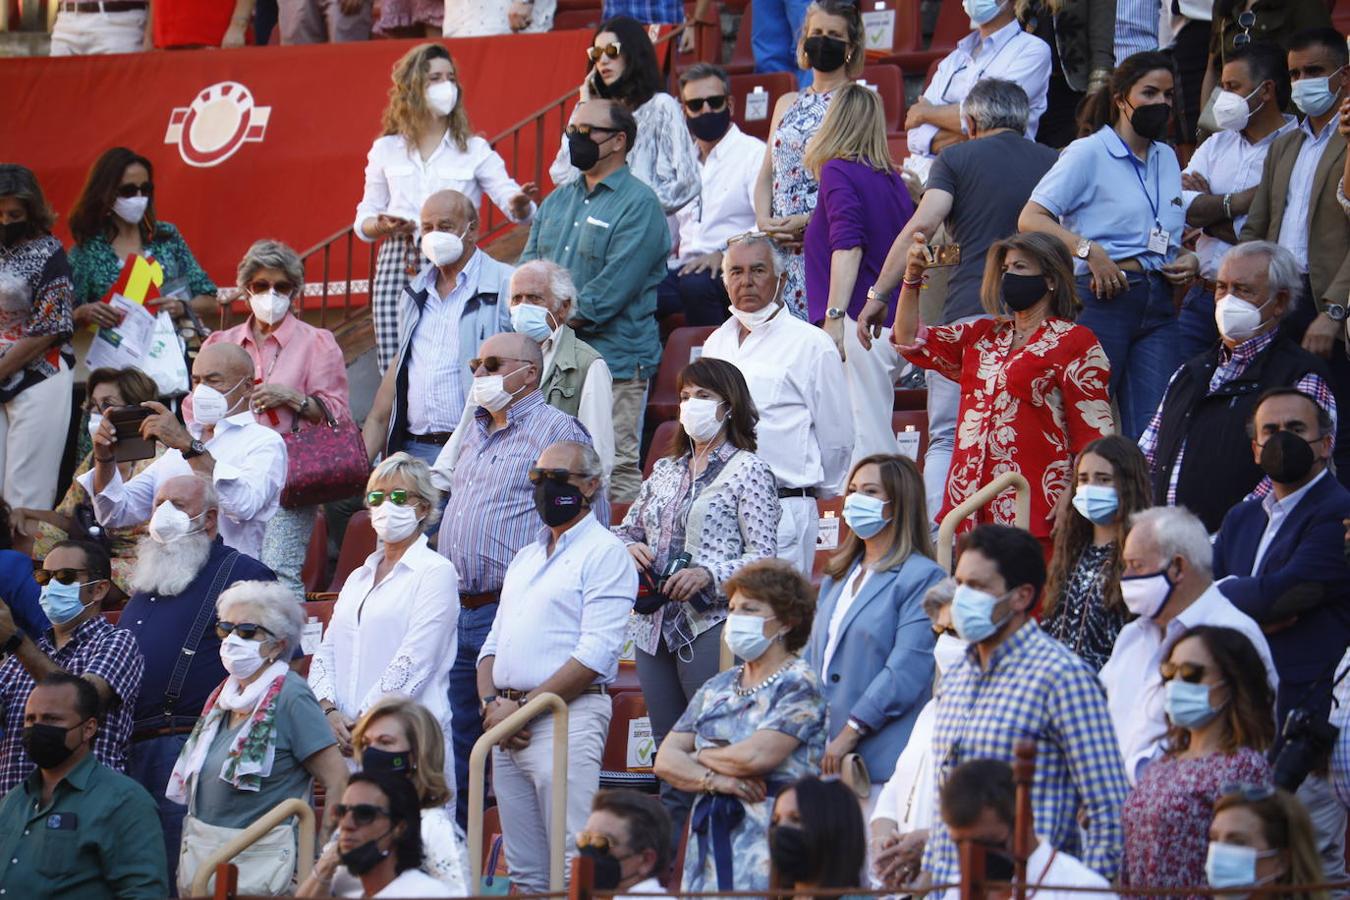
pixel 1157 179
pixel 979 73
pixel 1046 871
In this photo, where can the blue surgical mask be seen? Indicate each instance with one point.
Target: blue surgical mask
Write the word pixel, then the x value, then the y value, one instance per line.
pixel 973 613
pixel 1187 704
pixel 1314 95
pixel 744 634
pixel 531 321
pixel 981 11
pixel 1097 503
pixel 1232 865
pixel 863 515
pixel 61 602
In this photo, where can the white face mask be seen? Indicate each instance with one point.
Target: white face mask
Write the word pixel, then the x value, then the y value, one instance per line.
pixel 1237 319
pixel 241 657
pixel 95 420
pixel 699 418
pixel 209 405
pixel 489 392
pixel 169 523
pixel 1231 112
pixel 442 97
pixel 752 320
pixel 442 247
pixel 131 209
pixel 269 308
pixel 393 523
pixel 533 321
pixel 948 653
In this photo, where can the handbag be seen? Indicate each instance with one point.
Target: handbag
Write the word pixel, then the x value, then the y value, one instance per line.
pixel 494 883
pixel 164 360
pixel 266 868
pixel 324 463
pixel 853 773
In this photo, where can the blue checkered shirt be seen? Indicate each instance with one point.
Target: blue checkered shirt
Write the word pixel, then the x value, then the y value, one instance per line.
pixel 1035 688
pixel 648 12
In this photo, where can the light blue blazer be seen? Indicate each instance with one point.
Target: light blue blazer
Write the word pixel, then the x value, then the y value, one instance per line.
pixel 881 672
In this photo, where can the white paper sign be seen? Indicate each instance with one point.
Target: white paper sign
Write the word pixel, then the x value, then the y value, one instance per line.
pixel 628 653
pixel 124 345
pixel 695 353
pixel 757 104
pixel 827 538
pixel 879 29
pixel 641 744
pixel 909 442
pixel 311 635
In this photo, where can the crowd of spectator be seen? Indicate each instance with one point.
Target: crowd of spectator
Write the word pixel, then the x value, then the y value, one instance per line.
pixel 1156 352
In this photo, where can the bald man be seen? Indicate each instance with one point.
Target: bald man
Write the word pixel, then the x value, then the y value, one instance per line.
pixel 458 300
pixel 245 461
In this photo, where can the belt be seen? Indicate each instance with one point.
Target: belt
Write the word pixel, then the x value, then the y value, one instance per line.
pixel 436 437
pixel 146 734
pixel 1130 265
pixel 108 6
pixel 477 601
pixel 784 493
pixel 519 696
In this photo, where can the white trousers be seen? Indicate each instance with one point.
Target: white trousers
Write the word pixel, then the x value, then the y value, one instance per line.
pixel 797 532
pixel 86 34
pixel 523 782
pixel 871 378
pixel 33 430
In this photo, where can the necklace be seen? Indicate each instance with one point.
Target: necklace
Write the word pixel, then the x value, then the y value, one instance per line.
pixel 750 692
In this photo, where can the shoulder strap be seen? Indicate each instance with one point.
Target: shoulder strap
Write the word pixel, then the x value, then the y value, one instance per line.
pixel 197 632
pixel 693 529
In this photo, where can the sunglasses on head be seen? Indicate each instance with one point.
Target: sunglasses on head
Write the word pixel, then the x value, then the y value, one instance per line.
pixel 64 576
pixel 1245 21
pixel 249 631
pixel 715 104
pixel 1192 673
pixel 361 813
pixel 1251 793
pixel 492 363
pixel 537 474
pixel 131 190
pixel 599 842
pixel 610 50
pixel 262 286
pixel 398 497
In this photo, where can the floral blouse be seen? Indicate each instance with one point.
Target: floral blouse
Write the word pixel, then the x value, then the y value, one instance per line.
pixel 794 189
pixel 35 301
pixel 1080 620
pixel 97 266
pixel 1027 410
pixel 740 525
pixel 1166 816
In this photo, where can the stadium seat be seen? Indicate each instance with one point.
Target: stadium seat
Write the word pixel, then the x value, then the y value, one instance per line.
pixel 707 42
pixel 890 85
pixel 826 545
pixel 586 19
pixel 952 25
pixel 906 46
pixel 617 511
pixel 112 615
pixel 664 402
pixel 742 60
pixel 614 768
pixel 660 442
pixel 320 611
pixel 357 544
pixel 774 84
pixel 314 573
pixel 910 398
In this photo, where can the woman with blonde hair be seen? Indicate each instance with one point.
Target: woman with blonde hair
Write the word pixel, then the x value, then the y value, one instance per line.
pixel 872 643
pixel 863 204
pixel 1262 836
pixel 1033 383
pixel 427 145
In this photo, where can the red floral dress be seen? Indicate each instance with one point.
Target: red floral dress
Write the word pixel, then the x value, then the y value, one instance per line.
pixel 1026 410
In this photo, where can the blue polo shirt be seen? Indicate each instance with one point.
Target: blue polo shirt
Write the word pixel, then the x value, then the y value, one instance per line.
pixel 161 624
pixel 20 592
pixel 1103 192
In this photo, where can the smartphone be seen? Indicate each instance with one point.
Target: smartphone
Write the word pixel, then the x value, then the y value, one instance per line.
pixel 944 255
pixel 126 422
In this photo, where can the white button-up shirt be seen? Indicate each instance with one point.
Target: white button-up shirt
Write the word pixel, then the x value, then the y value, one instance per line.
pixel 1056 869
pixel 797 381
pixel 1230 163
pixel 1009 53
pixel 572 603
pixel 1298 205
pixel 595 409
pixel 726 207
pixel 436 375
pixel 249 473
pixel 398 180
pixel 1276 513
pixel 1133 684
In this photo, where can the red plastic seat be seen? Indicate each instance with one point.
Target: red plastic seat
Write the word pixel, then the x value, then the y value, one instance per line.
pixel 661 439
pixel 586 19
pixel 628 706
pixel 707 41
pixel 314 573
pixel 742 60
pixel 828 509
pixel 890 85
pixel 357 544
pixel 664 402
pixel 910 398
pixel 775 84
pixel 322 611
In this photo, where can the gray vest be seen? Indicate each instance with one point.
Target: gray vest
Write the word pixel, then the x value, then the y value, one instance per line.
pixel 571 361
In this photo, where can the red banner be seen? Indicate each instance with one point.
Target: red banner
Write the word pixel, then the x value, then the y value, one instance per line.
pixel 262 141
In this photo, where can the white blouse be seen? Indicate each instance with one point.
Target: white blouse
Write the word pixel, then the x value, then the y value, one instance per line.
pixel 398 180
pixel 482 18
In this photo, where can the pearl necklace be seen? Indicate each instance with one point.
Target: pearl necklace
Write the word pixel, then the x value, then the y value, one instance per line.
pixel 750 692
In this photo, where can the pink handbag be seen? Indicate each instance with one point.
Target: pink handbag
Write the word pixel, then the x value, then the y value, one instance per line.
pixel 324 462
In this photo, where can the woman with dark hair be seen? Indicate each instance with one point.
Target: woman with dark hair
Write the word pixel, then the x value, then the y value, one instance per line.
pixel 427 145
pixel 1262 836
pixel 872 644
pixel 1114 200
pixel 35 353
pixel 1033 384
pixel 749 731
pixel 816 839
pixel 1220 723
pixel 1083 608
pixel 113 219
pixel 622 66
pixel 709 507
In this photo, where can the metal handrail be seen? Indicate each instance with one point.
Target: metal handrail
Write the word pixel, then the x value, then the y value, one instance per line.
pixel 305 844
pixel 967 507
pixel 504 729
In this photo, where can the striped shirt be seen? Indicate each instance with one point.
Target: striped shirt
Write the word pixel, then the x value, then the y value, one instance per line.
pixel 437 380
pixel 648 12
pixel 1136 27
pixel 490 514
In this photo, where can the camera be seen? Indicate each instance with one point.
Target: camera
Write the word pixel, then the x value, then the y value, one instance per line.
pixel 652 590
pixel 1307 740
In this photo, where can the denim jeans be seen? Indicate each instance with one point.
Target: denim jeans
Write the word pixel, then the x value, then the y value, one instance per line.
pixel 774 26
pixel 149 764
pixel 1196 322
pixel 1138 331
pixel 474 625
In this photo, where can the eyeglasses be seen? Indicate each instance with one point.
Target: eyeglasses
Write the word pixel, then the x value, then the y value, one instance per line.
pixel 715 104
pixel 362 813
pixel 491 364
pixel 131 190
pixel 587 130
pixel 398 497
pixel 1252 793
pixel 65 576
pixel 262 286
pixel 537 474
pixel 610 50
pixel 1245 21
pixel 246 630
pixel 1192 673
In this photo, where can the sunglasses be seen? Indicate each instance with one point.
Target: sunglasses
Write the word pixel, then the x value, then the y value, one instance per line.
pixel 1192 673
pixel 131 190
pixel 537 474
pixel 65 576
pixel 610 50
pixel 587 130
pixel 1245 21
pixel 398 497
pixel 492 364
pixel 361 813
pixel 262 286
pixel 1252 793
pixel 246 630
pixel 715 104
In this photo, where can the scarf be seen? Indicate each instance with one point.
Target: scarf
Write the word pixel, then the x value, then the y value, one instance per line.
pixel 249 759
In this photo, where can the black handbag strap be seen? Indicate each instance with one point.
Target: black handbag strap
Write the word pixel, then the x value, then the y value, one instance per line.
pixel 197 632
pixel 323 408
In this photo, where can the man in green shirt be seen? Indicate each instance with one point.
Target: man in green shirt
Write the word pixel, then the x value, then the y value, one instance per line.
pixel 608 229
pixel 76 829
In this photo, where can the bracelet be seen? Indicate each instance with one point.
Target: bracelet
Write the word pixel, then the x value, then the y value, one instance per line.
pixel 918 282
pixel 331 709
pixel 706 785
pixel 1227 206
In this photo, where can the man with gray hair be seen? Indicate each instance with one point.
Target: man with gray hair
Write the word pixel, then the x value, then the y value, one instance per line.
pixel 1197 446
pixel 976 189
pixel 1168 584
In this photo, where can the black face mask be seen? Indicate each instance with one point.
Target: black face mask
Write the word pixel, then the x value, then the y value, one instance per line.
pixel 1021 292
pixel 791 854
pixel 375 759
pixel 558 502
pixel 582 151
pixel 46 744
pixel 362 859
pixel 608 868
pixel 825 54
pixel 1286 457
pixel 1151 121
pixel 998 865
pixel 12 233
pixel 710 126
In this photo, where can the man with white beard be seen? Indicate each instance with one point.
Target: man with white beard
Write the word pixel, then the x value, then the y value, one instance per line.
pixel 181 568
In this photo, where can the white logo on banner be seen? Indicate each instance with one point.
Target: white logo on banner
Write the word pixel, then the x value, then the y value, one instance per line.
pixel 220 120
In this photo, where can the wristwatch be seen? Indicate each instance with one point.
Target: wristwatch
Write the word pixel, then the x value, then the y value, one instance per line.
pixel 835 313
pixel 1335 312
pixel 10 646
pixel 873 295
pixel 1084 248
pixel 196 448
pixel 485 702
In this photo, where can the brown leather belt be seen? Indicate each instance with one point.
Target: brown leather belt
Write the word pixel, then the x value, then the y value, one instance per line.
pixel 108 6
pixel 476 601
pixel 519 696
pixel 434 437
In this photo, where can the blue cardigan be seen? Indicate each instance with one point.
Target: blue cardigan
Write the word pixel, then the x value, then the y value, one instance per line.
pixel 881 673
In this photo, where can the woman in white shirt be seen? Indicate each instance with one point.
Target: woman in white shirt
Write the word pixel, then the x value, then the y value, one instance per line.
pixel 428 146
pixel 394 624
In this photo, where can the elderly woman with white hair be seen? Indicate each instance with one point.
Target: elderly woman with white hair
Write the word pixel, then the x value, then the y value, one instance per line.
pixel 261 740
pixel 393 628
pixel 302 376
